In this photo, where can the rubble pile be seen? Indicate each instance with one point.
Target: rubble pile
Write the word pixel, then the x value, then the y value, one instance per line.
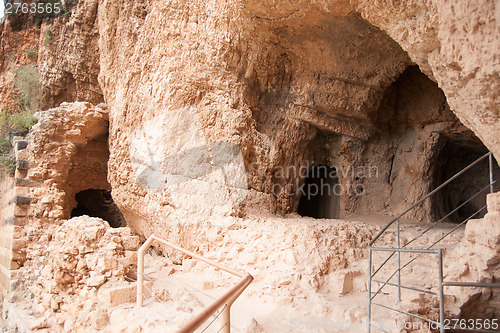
pixel 71 275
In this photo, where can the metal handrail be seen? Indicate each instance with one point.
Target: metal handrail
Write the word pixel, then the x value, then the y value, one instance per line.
pixel 227 299
pixel 430 194
pixel 397 250
pixel 401 249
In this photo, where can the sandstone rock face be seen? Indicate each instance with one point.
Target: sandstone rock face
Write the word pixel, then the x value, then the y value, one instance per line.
pixel 11 58
pixel 456 44
pixel 303 78
pixel 481 245
pixel 72 77
pixel 280 86
pixel 291 85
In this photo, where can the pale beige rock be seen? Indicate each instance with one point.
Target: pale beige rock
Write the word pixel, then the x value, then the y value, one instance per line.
pixel 188 264
pixel 208 285
pixel 253 326
pixel 114 295
pixel 98 319
pixel 130 243
pixel 96 280
pixel 284 82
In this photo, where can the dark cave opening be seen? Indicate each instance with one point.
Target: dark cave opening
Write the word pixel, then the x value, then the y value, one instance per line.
pixel 320 194
pixel 455 156
pixel 98 203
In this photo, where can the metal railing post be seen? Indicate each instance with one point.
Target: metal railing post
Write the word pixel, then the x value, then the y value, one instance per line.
pixel 140 271
pixel 427 196
pixel 225 300
pixel 140 279
pixel 492 189
pixel 369 316
pixel 399 248
pixel 399 264
pixel 226 319
pixel 441 291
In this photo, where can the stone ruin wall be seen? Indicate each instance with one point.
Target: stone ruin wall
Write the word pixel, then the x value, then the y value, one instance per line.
pixel 306 79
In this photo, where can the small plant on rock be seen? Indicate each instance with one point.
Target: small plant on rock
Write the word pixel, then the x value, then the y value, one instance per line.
pixel 31 53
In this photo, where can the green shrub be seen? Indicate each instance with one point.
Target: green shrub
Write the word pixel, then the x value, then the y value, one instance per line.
pixel 10 126
pixel 31 53
pixel 5 146
pixel 8 163
pixel 20 122
pixel 7 160
pixel 28 84
pixel 47 36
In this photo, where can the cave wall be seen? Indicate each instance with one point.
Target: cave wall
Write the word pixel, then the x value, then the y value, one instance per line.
pixel 270 98
pixel 455 44
pixel 72 77
pixel 291 83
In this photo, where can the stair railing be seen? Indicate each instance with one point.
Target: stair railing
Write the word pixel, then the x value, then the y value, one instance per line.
pixel 224 302
pixel 428 250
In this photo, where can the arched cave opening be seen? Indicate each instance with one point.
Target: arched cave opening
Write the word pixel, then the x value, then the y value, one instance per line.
pixel 455 156
pixel 98 203
pixel 87 187
pixel 420 144
pixel 320 194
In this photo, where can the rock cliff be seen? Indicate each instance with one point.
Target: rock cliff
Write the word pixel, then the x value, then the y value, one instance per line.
pixel 207 109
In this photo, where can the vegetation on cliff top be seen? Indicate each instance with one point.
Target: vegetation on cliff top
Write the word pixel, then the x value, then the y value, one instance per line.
pixel 19 123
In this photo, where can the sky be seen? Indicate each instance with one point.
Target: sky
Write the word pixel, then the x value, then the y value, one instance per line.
pixel 1 8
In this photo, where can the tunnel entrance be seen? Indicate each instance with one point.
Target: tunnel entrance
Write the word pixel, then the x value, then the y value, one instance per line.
pixel 320 194
pixel 98 203
pixel 455 156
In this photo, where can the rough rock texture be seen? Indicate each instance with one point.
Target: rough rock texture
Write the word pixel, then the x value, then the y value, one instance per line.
pixel 72 77
pixel 297 77
pixel 68 154
pixel 290 84
pixel 26 42
pixel 456 44
pixel 481 246
pixel 67 265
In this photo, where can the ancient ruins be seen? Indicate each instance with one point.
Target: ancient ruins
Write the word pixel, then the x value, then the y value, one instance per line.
pixel 326 166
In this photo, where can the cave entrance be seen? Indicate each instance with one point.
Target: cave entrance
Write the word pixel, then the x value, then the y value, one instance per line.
pixel 87 187
pixel 98 203
pixel 455 156
pixel 320 195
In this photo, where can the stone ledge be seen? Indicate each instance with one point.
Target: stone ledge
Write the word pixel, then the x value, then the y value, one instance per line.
pixel 20 200
pixel 22 164
pixel 117 294
pixel 23 182
pixel 20 145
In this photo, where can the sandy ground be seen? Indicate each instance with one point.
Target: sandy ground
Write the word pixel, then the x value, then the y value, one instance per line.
pixel 262 308
pixel 273 302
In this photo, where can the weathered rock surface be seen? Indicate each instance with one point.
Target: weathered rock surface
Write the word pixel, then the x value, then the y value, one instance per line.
pixel 68 154
pixel 288 84
pixel 66 266
pixel 72 77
